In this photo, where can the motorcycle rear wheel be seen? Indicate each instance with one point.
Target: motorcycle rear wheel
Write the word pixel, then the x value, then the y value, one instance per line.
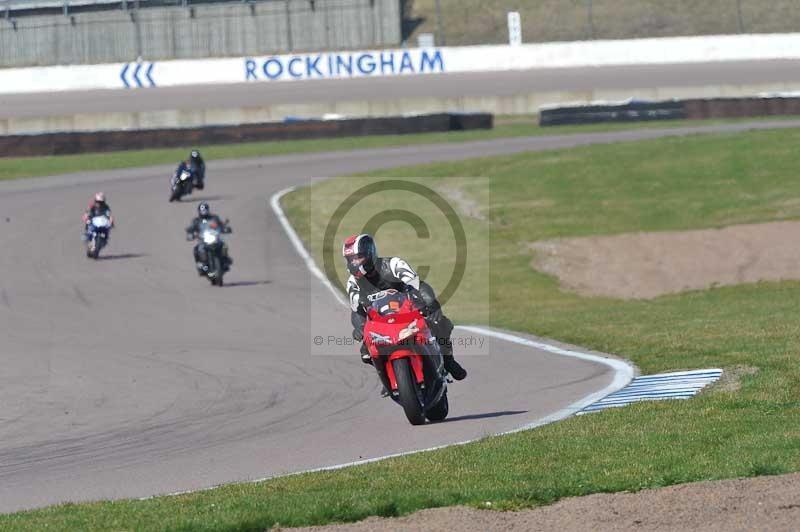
pixel 408 389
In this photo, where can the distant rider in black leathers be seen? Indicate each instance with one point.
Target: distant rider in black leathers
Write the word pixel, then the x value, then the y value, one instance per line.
pixel 370 274
pixel 198 165
pixel 204 215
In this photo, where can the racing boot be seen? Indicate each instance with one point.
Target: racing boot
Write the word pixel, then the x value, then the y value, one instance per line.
pixel 226 259
pixel 453 368
pixel 366 358
pixel 199 262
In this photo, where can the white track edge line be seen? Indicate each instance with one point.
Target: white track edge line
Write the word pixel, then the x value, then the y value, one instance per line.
pixel 623 371
pixel 298 244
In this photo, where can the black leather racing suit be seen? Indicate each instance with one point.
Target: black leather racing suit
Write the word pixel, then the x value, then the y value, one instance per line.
pixel 394 272
pixel 198 165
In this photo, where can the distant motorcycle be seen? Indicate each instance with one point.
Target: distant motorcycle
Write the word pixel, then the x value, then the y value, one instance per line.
pixel 97 235
pixel 403 347
pixel 181 185
pixel 213 252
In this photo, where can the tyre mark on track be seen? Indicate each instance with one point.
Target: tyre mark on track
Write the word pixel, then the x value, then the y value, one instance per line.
pixel 81 297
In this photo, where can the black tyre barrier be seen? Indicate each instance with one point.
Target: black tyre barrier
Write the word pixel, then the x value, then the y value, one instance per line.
pixel 105 141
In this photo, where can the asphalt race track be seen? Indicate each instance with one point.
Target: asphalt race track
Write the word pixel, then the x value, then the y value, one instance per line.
pixel 261 94
pixel 131 376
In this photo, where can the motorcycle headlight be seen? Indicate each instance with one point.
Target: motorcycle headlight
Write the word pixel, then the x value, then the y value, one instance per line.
pixel 380 338
pixel 209 237
pixel 410 330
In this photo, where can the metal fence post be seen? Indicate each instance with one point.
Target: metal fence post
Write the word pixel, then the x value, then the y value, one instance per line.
pixel 289 26
pixel 590 18
pixel 373 24
pixel 137 29
pixel 739 20
pixel 440 38
pixel 328 44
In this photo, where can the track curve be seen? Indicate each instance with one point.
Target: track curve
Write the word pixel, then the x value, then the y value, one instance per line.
pixel 131 377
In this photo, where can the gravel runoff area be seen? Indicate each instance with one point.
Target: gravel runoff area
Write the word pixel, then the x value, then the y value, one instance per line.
pixel 641 266
pixel 647 265
pixel 762 503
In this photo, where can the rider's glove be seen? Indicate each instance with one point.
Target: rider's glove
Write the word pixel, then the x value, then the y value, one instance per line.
pixel 419 301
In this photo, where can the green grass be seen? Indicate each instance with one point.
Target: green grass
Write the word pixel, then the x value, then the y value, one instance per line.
pixel 666 184
pixel 466 22
pixel 517 126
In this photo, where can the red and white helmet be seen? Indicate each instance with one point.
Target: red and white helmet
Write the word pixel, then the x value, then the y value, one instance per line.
pixel 360 254
pixel 99 197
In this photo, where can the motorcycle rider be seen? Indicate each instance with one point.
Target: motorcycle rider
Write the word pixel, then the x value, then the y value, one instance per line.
pixel 197 163
pixel 370 273
pixel 204 215
pixel 98 206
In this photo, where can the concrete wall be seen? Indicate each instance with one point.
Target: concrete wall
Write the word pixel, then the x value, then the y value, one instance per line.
pixel 387 62
pixel 201 31
pixel 522 103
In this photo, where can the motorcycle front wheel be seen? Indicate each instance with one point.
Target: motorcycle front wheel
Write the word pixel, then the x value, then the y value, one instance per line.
pixel 439 410
pixel 215 270
pixel 92 250
pixel 409 392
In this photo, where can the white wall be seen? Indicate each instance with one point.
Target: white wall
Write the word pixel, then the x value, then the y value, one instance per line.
pixel 272 69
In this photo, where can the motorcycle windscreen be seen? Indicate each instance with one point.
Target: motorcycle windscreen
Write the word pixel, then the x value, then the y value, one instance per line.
pixel 390 302
pixel 101 222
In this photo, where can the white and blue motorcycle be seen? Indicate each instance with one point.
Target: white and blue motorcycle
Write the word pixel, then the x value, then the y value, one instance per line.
pixel 97 235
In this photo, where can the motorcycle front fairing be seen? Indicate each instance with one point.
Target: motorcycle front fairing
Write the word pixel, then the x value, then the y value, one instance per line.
pixel 182 179
pixel 210 236
pixel 99 226
pixel 396 329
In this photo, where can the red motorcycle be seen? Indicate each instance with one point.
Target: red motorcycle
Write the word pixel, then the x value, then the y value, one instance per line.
pixel 406 356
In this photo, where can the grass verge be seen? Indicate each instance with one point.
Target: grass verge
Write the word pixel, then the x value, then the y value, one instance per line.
pixel 516 126
pixel 674 183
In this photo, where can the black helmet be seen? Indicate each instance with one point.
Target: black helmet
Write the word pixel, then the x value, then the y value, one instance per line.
pixel 195 154
pixel 203 209
pixel 361 255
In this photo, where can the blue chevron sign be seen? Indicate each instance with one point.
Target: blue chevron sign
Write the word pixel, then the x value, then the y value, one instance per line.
pixel 131 72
